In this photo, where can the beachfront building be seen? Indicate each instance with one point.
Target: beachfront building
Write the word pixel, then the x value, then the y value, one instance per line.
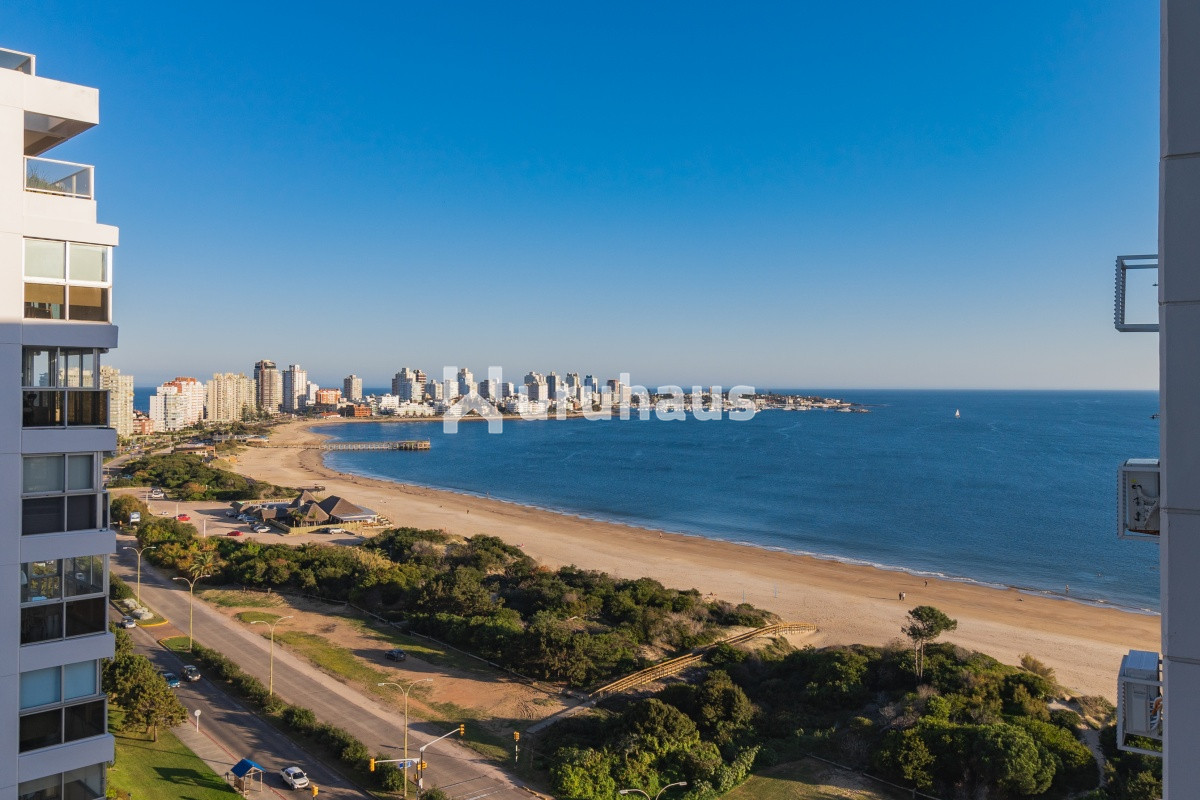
pixel 268 387
pixel 229 397
pixel 142 424
pixel 352 388
pixel 328 397
pixel 466 382
pixel 120 399
pixel 178 404
pixel 295 389
pixel 434 391
pixel 55 327
pixel 409 385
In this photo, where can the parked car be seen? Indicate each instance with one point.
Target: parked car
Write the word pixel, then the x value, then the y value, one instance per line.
pixel 294 777
pixel 191 674
pixel 183 518
pixel 172 680
pixel 234 533
pixel 261 529
pixel 128 622
pixel 395 654
pixel 337 530
pixel 231 513
pixel 157 494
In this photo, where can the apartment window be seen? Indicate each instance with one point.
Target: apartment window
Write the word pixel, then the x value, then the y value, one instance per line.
pixel 62 598
pixel 67 280
pixel 86 783
pixel 60 704
pixel 59 493
pixel 61 386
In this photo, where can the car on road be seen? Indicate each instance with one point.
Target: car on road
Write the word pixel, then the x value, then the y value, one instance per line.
pixel 191 674
pixel 172 680
pixel 261 529
pixel 337 530
pixel 157 494
pixel 128 622
pixel 395 654
pixel 294 777
pixel 234 533
pixel 183 518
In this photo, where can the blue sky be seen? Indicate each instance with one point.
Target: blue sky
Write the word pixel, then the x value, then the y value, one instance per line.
pixel 780 194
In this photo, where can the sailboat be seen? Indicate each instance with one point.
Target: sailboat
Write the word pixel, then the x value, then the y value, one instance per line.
pixel 956 414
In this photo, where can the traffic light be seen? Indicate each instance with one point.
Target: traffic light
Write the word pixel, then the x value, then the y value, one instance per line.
pixel 516 736
pixel 422 766
pixel 372 767
pixel 462 730
pixel 314 790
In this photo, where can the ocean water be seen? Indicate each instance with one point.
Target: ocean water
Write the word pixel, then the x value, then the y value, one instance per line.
pixel 1020 491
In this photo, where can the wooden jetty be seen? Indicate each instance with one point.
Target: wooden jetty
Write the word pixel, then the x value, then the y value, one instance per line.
pixel 408 444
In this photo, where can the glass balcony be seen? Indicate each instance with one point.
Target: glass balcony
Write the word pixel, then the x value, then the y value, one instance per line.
pixel 49 408
pixel 58 177
pixel 16 61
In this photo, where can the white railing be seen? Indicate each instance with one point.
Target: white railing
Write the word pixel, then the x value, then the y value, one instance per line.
pixel 16 60
pixel 58 177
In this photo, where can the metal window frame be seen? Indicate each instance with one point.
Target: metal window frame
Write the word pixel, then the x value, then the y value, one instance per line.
pixel 1124 264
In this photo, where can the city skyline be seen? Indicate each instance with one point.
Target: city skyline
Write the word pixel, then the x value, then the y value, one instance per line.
pixel 775 196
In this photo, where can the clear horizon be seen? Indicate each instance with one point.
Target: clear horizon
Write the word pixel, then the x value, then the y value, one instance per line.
pixel 866 197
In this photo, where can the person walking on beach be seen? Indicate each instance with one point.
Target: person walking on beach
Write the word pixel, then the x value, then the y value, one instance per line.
pixel 926 584
pixel 902 595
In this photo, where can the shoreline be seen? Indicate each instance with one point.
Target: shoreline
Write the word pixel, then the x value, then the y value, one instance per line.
pixel 850 602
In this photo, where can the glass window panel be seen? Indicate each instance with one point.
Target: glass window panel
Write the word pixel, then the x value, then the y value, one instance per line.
pixel 89 262
pixel 41 623
pixel 41 789
pixel 89 304
pixel 41 730
pixel 81 512
pixel 85 616
pixel 42 409
pixel 89 374
pixel 41 687
pixel 45 259
pixel 80 474
pixel 44 301
pixel 73 365
pixel 84 575
pixel 87 407
pixel 42 474
pixel 36 367
pixel 83 720
pixel 40 580
pixel 79 680
pixel 86 783
pixel 42 515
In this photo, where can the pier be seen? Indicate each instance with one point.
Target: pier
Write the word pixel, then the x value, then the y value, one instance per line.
pixel 407 444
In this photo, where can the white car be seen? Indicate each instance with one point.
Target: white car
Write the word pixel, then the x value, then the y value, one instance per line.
pixel 294 777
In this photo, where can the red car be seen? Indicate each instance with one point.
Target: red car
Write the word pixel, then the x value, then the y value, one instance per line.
pixel 234 533
pixel 184 518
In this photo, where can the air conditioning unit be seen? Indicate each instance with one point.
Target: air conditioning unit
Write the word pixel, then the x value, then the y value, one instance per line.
pixel 1138 499
pixel 1139 700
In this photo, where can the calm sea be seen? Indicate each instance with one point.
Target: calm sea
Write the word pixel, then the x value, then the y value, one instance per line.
pixel 1020 491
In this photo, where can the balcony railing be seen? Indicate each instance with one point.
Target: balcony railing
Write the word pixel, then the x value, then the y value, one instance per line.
pixel 58 177
pixel 51 408
pixel 17 61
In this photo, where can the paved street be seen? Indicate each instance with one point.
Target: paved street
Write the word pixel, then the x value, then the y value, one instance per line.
pixel 461 772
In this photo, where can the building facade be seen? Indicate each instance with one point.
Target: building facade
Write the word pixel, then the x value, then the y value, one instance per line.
pixel 229 397
pixel 178 404
pixel 352 388
pixel 55 329
pixel 120 399
pixel 268 387
pixel 295 389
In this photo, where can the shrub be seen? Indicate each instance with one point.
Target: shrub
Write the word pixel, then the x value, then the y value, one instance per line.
pixel 299 719
pixel 118 589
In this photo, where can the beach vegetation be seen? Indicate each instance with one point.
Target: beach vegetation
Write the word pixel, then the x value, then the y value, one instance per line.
pixel 974 728
pixel 186 476
pixel 925 624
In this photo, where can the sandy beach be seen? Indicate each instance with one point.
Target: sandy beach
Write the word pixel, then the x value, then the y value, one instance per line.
pixel 849 603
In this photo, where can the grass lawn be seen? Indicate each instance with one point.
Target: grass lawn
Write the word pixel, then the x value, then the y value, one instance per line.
pixel 232 598
pixel 163 770
pixel 809 780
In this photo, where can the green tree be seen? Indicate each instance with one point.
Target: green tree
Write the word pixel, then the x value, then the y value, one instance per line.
pixel 582 774
pixel 123 505
pixel 925 624
pixel 131 681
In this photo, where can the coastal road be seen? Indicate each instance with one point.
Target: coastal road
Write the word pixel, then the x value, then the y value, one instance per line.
pixel 459 771
pixel 229 731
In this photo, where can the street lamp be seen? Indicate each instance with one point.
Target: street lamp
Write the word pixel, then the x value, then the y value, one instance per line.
pixel 406 690
pixel 139 551
pixel 660 791
pixel 272 625
pixel 191 601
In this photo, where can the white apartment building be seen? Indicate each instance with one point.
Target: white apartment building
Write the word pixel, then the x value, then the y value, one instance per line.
pixel 295 389
pixel 352 388
pixel 120 399
pixel 466 382
pixel 178 404
pixel 229 397
pixel 55 326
